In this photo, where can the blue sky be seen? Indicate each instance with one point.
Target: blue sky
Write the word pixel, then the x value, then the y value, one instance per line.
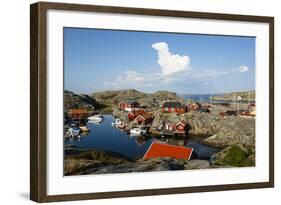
pixel 97 60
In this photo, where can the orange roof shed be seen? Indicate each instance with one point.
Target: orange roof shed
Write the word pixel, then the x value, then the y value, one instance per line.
pixel 159 149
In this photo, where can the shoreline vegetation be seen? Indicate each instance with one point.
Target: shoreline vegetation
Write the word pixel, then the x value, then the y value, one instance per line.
pixel 233 134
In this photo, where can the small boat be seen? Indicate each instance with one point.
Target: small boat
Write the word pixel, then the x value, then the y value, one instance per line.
pixel 84 129
pixel 160 149
pixel 121 126
pixel 137 131
pixel 96 118
pixel 117 122
pixel 73 132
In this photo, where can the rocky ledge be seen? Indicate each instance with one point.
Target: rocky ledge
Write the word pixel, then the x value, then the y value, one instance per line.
pixel 222 131
pixel 99 162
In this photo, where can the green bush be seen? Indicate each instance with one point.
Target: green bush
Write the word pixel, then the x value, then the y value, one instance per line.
pixel 235 156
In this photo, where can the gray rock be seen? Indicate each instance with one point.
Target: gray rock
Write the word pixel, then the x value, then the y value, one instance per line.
pixel 98 162
pixel 233 130
pixel 197 164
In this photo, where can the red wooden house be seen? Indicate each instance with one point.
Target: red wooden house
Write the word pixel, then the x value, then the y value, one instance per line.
pixel 133 114
pixel 129 105
pixel 143 119
pixel 179 127
pixel 174 107
pixel 78 113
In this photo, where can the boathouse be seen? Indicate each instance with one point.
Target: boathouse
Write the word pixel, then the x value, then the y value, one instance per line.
pixel 129 105
pixel 175 128
pixel 159 149
pixel 174 107
pixel 143 119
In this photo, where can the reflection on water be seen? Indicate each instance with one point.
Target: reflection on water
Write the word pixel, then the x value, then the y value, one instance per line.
pixel 107 138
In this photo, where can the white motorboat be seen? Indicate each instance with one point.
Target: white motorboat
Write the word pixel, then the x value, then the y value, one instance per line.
pixel 96 118
pixel 117 122
pixel 137 131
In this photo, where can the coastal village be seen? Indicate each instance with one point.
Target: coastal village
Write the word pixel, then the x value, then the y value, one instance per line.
pixel 219 123
pixel 167 118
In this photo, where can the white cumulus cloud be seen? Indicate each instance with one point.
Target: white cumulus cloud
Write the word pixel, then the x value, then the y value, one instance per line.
pixel 175 71
pixel 243 69
pixel 170 63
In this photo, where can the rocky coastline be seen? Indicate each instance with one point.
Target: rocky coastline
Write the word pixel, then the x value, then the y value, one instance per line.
pixel 235 136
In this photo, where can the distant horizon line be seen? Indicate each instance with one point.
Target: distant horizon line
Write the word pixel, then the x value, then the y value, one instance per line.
pixel 213 93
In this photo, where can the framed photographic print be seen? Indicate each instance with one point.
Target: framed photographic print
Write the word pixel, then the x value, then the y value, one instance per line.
pixel 134 102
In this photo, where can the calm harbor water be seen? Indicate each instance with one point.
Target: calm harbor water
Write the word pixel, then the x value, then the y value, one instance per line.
pixel 105 137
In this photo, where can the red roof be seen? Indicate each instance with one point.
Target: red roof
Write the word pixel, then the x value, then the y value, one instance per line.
pixel 78 111
pixel 137 112
pixel 158 149
pixel 181 122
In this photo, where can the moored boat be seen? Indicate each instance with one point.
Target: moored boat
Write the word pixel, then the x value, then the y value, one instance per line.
pixel 96 118
pixel 84 128
pixel 137 131
pixel 117 122
pixel 73 132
